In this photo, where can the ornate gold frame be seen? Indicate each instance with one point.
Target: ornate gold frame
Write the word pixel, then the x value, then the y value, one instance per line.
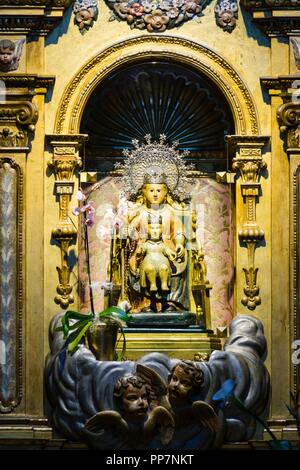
pixel 190 54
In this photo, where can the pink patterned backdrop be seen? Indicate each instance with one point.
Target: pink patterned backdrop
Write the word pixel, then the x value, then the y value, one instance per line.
pixel 213 205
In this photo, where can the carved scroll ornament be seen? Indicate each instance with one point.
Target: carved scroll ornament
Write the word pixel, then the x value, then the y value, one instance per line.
pixel 288 115
pixel 64 161
pixel 250 164
pixel 16 120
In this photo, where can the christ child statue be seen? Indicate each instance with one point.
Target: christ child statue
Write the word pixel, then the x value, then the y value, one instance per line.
pixel 155 264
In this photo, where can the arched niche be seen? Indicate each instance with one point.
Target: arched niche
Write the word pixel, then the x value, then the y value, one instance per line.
pixel 153 98
pixel 86 107
pixel 179 50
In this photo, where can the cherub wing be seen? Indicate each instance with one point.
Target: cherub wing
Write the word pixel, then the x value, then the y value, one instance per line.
pixel 19 46
pixel 159 419
pixel 111 420
pixel 296 49
pixel 205 415
pixel 156 383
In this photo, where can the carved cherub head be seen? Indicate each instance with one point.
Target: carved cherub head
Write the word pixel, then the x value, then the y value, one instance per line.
pixel 132 394
pixel 7 49
pixel 143 413
pixel 186 379
pixel 10 53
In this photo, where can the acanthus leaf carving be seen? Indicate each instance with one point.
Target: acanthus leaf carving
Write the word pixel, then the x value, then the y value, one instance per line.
pixel 10 53
pixel 288 116
pixel 250 164
pixel 64 162
pixel 251 290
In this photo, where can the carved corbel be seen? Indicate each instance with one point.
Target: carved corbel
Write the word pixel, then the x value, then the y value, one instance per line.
pixel 250 164
pixel 288 115
pixel 64 162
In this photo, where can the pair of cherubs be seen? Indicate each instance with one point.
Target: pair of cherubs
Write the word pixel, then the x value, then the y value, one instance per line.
pixel 151 413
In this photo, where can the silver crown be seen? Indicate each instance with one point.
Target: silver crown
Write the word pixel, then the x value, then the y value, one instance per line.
pixel 155 176
pixel 155 162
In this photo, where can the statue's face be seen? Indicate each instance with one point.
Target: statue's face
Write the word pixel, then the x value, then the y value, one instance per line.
pixel 6 56
pixel 154 231
pixel 135 403
pixel 180 387
pixel 155 193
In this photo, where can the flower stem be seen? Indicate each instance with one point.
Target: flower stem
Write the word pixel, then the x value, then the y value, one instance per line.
pixel 241 405
pixel 87 253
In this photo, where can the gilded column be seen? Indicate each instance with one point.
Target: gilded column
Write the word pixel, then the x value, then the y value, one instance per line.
pixel 64 162
pixel 249 162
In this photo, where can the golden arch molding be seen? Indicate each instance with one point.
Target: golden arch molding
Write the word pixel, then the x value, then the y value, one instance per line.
pixel 179 50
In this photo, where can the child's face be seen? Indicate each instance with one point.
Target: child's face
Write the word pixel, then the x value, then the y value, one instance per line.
pixel 180 387
pixel 6 55
pixel 135 403
pixel 155 193
pixel 154 231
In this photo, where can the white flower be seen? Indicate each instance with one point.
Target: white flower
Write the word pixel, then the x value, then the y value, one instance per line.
pixel 124 305
pixel 80 196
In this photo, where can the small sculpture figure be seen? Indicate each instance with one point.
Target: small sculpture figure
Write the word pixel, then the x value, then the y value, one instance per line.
pixel 10 53
pixel 296 50
pixel 155 180
pixel 155 268
pixel 195 420
pixel 8 138
pixel 140 420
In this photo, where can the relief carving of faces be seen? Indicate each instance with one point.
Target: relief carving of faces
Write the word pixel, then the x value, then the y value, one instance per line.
pixel 135 403
pixel 10 53
pixel 180 387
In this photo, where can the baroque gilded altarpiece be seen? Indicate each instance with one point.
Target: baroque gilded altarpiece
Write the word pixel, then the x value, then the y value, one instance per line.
pixel 42 150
